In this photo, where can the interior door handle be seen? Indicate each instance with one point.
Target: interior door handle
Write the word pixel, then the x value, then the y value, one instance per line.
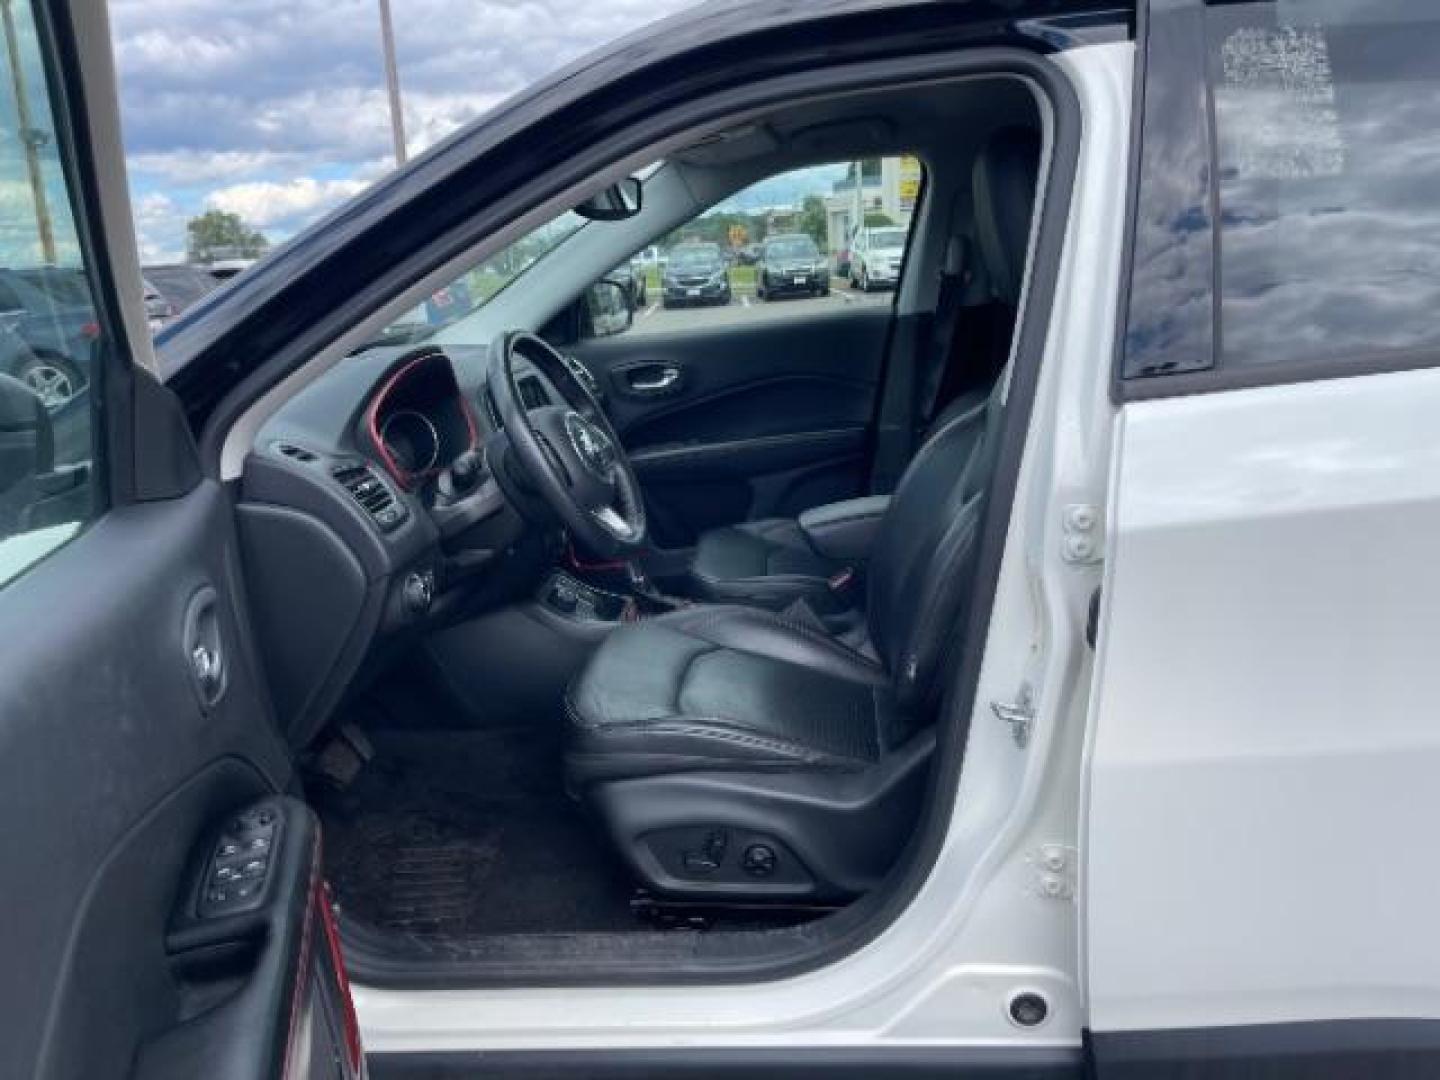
pixel 654 380
pixel 204 648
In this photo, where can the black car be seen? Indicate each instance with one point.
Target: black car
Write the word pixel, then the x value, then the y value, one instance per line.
pixel 696 274
pixel 791 265
pixel 180 285
pixel 52 330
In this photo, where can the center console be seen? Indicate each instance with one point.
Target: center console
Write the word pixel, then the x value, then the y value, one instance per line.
pixel 568 596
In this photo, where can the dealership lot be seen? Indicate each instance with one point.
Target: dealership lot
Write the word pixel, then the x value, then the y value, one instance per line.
pixel 746 309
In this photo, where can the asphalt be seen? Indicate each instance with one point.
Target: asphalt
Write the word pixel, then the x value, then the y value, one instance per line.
pixel 744 308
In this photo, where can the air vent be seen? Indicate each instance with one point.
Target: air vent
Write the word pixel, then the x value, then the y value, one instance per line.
pixel 299 453
pixel 371 493
pixel 493 412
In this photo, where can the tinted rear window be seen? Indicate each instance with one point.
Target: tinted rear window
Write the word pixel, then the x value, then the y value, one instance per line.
pixel 1324 216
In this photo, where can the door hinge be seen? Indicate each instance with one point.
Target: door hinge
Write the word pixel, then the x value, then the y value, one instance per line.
pixel 1019 714
pixel 1081 544
pixel 1053 867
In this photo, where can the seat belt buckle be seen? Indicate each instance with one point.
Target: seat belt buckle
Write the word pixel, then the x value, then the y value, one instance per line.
pixel 841 580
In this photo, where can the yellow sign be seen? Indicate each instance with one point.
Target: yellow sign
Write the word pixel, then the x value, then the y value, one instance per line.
pixel 910 174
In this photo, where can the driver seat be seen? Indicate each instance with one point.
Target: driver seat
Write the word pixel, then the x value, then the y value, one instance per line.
pixel 735 754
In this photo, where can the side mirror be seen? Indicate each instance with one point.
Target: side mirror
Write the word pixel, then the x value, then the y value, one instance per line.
pixel 609 307
pixel 26 452
pixel 614 203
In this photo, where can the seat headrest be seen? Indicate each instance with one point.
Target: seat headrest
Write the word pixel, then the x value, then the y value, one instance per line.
pixel 1004 181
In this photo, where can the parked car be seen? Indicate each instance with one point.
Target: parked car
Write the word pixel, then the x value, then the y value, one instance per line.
pixel 1030 677
pixel 875 258
pixel 790 264
pixel 53 330
pixel 695 274
pixel 180 285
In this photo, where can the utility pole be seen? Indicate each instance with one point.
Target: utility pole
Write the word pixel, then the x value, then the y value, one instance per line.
pixel 29 136
pixel 392 81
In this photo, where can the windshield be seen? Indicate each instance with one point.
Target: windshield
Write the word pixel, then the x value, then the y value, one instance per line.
pixel 480 284
pixel 697 257
pixel 887 238
pixel 799 247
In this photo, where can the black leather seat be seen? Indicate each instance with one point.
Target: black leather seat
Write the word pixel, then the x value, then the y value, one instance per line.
pixel 768 562
pixel 774 562
pixel 735 752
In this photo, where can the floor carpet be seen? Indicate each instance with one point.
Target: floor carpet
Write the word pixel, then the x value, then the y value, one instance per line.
pixel 462 832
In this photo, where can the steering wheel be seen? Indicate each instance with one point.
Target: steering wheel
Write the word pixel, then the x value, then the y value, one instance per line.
pixel 570 453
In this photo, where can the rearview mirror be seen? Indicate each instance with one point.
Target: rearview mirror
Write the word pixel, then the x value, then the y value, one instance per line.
pixel 614 203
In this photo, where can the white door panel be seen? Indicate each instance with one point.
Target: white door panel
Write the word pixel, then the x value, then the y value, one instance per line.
pixel 1264 744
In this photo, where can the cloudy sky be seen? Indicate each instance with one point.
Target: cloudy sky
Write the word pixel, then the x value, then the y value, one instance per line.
pixel 276 109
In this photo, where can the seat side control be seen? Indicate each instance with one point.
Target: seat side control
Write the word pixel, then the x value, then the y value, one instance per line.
pixel 240 862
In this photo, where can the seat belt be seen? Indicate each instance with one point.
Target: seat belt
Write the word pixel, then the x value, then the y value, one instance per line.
pixel 911 388
pixel 948 305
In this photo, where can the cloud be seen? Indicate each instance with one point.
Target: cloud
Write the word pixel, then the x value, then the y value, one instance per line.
pixel 159 229
pixel 267 204
pixel 277 109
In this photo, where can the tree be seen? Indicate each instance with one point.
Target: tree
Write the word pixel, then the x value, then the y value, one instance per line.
pixel 219 234
pixel 876 219
pixel 813 220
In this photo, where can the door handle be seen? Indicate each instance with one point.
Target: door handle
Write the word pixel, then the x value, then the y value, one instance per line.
pixel 204 647
pixel 653 380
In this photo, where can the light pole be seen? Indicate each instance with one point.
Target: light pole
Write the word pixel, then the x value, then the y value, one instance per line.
pixel 32 138
pixel 392 81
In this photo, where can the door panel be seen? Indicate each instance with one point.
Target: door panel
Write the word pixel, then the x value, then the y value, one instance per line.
pixel 159 921
pixel 733 422
pixel 111 771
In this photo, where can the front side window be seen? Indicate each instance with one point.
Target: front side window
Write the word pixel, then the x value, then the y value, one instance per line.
pixel 790 237
pixel 49 336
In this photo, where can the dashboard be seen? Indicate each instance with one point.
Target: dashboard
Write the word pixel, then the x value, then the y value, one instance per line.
pixel 350 516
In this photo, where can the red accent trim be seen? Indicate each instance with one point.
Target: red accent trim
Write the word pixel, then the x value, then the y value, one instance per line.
pixel 302 969
pixel 402 477
pixel 577 564
pixel 347 1004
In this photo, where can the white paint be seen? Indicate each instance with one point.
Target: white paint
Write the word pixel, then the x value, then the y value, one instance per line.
pixel 979 929
pixel 1265 747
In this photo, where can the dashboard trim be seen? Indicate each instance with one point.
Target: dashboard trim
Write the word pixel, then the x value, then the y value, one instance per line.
pixel 401 475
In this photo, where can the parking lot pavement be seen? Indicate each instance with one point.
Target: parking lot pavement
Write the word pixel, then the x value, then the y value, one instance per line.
pixel 745 309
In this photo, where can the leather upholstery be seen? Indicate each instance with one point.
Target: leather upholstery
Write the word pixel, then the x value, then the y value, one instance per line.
pixel 1004 178
pixel 726 688
pixel 770 563
pixel 845 531
pixel 721 718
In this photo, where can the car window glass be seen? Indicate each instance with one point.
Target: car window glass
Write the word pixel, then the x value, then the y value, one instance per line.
pixel 1327 118
pixel 48 331
pixel 475 288
pixel 780 248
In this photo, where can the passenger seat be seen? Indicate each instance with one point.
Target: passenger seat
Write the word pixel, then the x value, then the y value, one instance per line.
pixel 775 562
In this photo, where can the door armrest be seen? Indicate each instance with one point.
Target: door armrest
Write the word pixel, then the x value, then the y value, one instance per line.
pixel 845 530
